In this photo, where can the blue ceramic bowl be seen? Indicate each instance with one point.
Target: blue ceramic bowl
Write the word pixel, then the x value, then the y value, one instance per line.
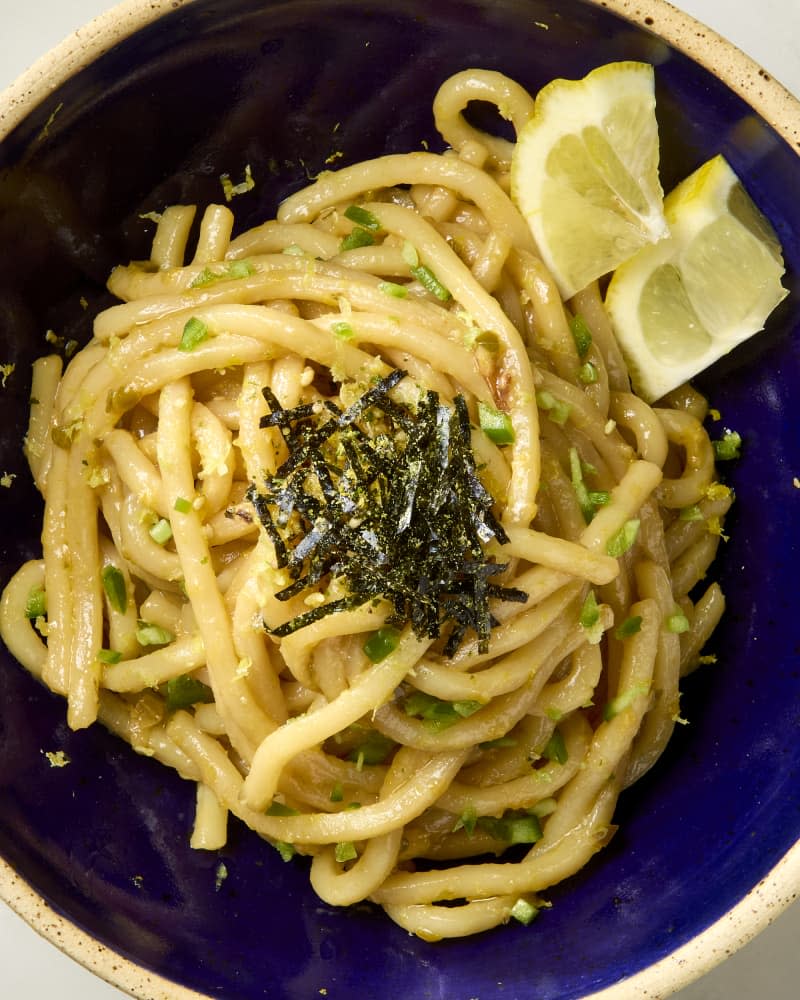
pixel 209 87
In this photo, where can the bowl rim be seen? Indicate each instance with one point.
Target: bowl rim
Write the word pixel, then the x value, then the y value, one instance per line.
pixel 781 885
pixel 777 890
pixel 742 74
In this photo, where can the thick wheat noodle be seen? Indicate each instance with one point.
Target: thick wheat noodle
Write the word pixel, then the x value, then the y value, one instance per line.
pixel 563 509
pixel 693 564
pixel 405 802
pixel 172 235
pixel 139 475
pixel 538 582
pixel 707 614
pixel 626 499
pixel 698 472
pixel 656 729
pixel 520 752
pixel 329 670
pixel 258 449
pixel 610 446
pixel 140 548
pixel 214 238
pixel 488 723
pixel 629 411
pixel 312 774
pixel 244 721
pixel 310 730
pixel 441 353
pixel 342 887
pixel 161 608
pixel 513 102
pixel 589 304
pixel 115 715
pixel 682 534
pixel 274 237
pixel 544 865
pixel 121 623
pixel 55 672
pixel 528 789
pixel 561 554
pixel 210 831
pixel 561 697
pixel 69 405
pixel 209 720
pixel 297 648
pixel 158 575
pixel 183 656
pixel 613 738
pixel 267 328
pixel 58 555
pixel 510 635
pixel 508 672
pixel 432 923
pixel 214 444
pixel 552 327
pixel 411 168
pixel 520 505
pixel 383 262
pixel 24 642
pixel 38 442
pixel 84 631
pixel 261 673
pixel 486 258
pixel 379 859
pixel 687 399
pixel 424 374
pixel 439 204
pixel 274 278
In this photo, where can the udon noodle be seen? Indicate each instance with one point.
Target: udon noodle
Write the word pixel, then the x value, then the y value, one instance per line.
pixel 172 602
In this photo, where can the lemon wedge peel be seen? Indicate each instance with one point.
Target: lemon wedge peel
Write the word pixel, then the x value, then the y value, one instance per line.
pixel 681 304
pixel 584 172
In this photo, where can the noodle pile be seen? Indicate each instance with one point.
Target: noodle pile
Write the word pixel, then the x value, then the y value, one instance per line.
pixel 154 607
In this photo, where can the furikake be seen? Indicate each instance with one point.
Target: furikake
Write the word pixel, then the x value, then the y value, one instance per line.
pixel 385 498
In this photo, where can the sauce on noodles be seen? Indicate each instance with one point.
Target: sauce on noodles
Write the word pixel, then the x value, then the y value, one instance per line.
pixel 203 593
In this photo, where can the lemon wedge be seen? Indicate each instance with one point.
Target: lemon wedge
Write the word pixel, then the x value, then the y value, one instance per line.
pixel 584 172
pixel 681 304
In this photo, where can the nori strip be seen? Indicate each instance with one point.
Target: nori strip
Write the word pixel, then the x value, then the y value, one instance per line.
pixel 393 506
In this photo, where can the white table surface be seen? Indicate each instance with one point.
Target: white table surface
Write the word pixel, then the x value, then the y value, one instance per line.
pixel 769 967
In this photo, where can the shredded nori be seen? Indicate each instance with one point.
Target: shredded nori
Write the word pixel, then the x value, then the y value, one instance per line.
pixel 387 500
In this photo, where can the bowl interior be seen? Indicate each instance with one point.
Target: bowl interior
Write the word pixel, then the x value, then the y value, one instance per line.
pixel 209 89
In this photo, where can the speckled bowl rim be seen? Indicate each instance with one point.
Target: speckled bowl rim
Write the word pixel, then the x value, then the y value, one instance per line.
pixel 781 886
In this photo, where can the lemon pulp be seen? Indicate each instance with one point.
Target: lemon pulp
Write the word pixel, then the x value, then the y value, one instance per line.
pixel 681 304
pixel 584 172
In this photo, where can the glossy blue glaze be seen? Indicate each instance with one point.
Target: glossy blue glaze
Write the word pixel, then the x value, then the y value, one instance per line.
pixel 212 88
